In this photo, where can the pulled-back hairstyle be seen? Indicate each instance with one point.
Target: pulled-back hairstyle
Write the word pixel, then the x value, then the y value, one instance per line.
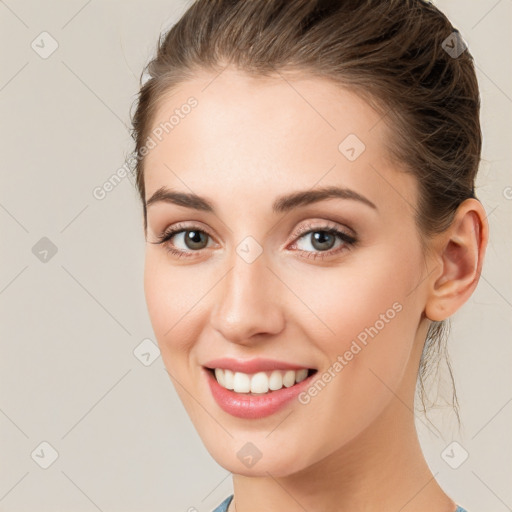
pixel 403 57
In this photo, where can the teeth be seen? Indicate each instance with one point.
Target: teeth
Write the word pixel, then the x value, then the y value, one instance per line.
pixel 241 383
pixel 219 375
pixel 228 378
pixel 276 380
pixel 301 375
pixel 260 382
pixel 289 378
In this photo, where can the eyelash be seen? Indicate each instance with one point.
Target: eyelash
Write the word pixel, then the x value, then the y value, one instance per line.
pixel 349 241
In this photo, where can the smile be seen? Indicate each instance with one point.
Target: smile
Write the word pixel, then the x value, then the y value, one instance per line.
pixel 255 388
pixel 261 382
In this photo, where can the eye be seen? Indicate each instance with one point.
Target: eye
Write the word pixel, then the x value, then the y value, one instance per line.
pixel 188 239
pixel 193 239
pixel 318 242
pixel 315 242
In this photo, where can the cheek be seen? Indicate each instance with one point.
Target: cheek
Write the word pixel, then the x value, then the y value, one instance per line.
pixel 370 318
pixel 171 294
pixel 353 296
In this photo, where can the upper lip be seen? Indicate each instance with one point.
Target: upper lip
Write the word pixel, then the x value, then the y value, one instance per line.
pixel 252 365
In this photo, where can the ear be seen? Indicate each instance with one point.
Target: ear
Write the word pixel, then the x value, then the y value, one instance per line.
pixel 458 255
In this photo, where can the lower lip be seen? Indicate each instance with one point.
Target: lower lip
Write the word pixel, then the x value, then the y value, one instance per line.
pixel 247 406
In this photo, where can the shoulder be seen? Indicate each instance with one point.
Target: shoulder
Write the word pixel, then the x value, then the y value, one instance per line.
pixel 225 504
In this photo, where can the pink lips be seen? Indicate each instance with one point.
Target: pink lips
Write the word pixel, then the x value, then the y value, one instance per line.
pixel 251 365
pixel 252 406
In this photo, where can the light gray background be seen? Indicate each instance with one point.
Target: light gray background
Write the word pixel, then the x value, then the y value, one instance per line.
pixel 69 325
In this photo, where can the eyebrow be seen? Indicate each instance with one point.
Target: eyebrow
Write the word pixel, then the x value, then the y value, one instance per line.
pixel 281 204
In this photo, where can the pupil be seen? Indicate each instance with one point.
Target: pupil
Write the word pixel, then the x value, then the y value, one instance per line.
pixel 321 237
pixel 193 238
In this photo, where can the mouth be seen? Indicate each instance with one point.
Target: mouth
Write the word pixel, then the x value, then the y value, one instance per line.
pixel 259 383
pixel 256 388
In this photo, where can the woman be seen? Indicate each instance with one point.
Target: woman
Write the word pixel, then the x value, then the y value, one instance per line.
pixel 307 175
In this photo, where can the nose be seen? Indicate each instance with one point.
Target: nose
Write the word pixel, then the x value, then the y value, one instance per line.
pixel 248 303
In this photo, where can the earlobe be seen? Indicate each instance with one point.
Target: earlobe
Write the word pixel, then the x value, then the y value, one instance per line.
pixel 459 256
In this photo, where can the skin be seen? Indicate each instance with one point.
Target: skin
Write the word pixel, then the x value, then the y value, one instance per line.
pixel 354 445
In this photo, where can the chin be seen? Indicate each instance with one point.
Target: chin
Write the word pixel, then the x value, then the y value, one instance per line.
pixel 256 457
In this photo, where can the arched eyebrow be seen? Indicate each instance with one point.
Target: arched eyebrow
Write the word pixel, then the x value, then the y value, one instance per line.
pixel 282 204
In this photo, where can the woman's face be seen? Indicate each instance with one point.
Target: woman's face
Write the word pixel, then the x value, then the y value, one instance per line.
pixel 271 277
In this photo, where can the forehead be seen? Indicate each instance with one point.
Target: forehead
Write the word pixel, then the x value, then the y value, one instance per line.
pixel 243 111
pixel 281 132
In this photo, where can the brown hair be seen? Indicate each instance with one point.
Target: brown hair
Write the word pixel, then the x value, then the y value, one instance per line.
pixel 399 55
